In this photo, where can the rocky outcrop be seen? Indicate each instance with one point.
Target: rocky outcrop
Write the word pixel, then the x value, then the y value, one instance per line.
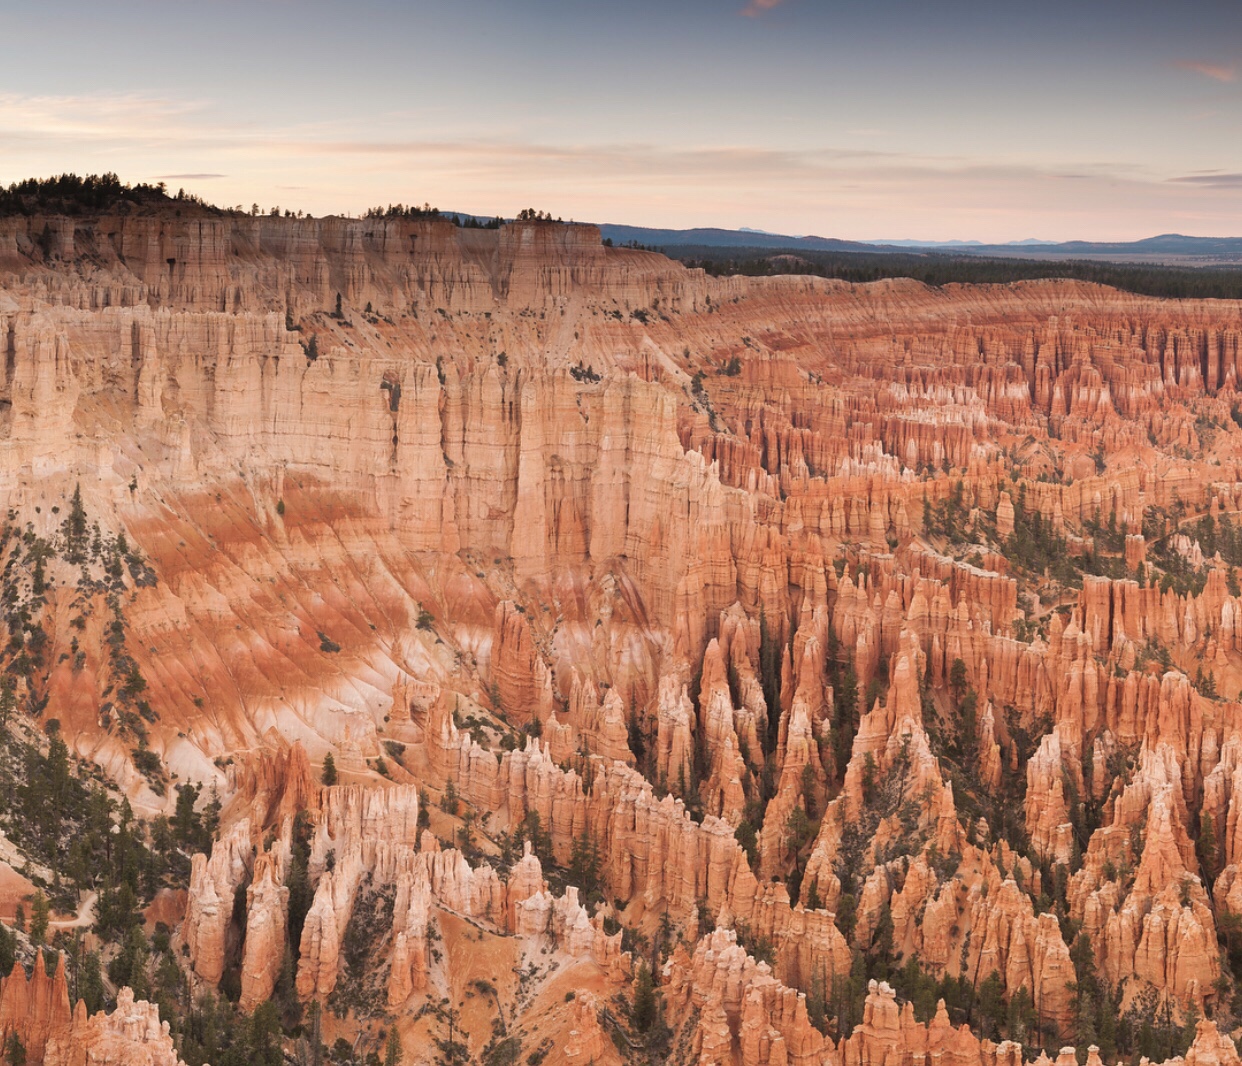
pixel 35 1008
pixel 209 904
pixel 132 1034
pixel 1159 929
pixel 587 1041
pixel 747 1015
pixel 319 951
pixel 522 682
pixel 267 906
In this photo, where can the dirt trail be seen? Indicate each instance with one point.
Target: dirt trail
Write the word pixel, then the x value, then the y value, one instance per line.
pixel 85 916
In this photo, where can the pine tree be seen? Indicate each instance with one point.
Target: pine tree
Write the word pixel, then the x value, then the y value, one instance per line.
pixel 264 1036
pixel 392 1049
pixel 770 678
pixel 130 965
pixel 8 699
pixel 1206 847
pixel 75 528
pixel 40 912
pixel 298 880
pixel 448 802
pixel 328 777
pixel 90 983
pixel 646 1006
pixel 14 1050
pixel 845 719
pixel 540 839
pixel 991 1005
pixel 584 864
pixel 958 680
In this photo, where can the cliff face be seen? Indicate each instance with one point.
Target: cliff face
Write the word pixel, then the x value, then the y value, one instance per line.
pixel 842 632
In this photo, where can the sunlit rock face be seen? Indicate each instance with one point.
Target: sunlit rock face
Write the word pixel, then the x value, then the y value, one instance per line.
pixel 820 636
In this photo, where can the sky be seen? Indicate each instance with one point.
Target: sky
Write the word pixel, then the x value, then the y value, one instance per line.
pixel 860 119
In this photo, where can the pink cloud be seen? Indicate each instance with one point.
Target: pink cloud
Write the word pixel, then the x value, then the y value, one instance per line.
pixel 757 7
pixel 1215 71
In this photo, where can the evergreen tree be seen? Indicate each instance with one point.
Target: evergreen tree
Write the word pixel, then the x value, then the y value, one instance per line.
pixel 301 895
pixel 192 830
pixel 845 720
pixel 746 835
pixel 392 1049
pixel 448 802
pixel 314 1035
pixel 646 1006
pixel 770 678
pixel 14 1050
pixel 285 994
pixel 263 1036
pixel 130 965
pixel 328 777
pixel 90 983
pixel 1206 848
pixel 584 865
pixel 40 913
pixel 540 839
pixel 8 700
pixel 1021 1015
pixel 958 680
pixel 991 1006
pixel 74 528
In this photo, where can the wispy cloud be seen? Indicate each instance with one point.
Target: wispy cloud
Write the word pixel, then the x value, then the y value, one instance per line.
pixel 94 115
pixel 617 158
pixel 757 7
pixel 1211 180
pixel 188 177
pixel 1215 71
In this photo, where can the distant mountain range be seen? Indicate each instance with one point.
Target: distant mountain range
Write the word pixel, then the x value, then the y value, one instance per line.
pixel 1174 249
pixel 1166 248
pixel 727 238
pixel 1030 242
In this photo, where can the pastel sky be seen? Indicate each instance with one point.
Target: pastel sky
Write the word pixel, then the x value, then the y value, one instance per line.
pixel 934 119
